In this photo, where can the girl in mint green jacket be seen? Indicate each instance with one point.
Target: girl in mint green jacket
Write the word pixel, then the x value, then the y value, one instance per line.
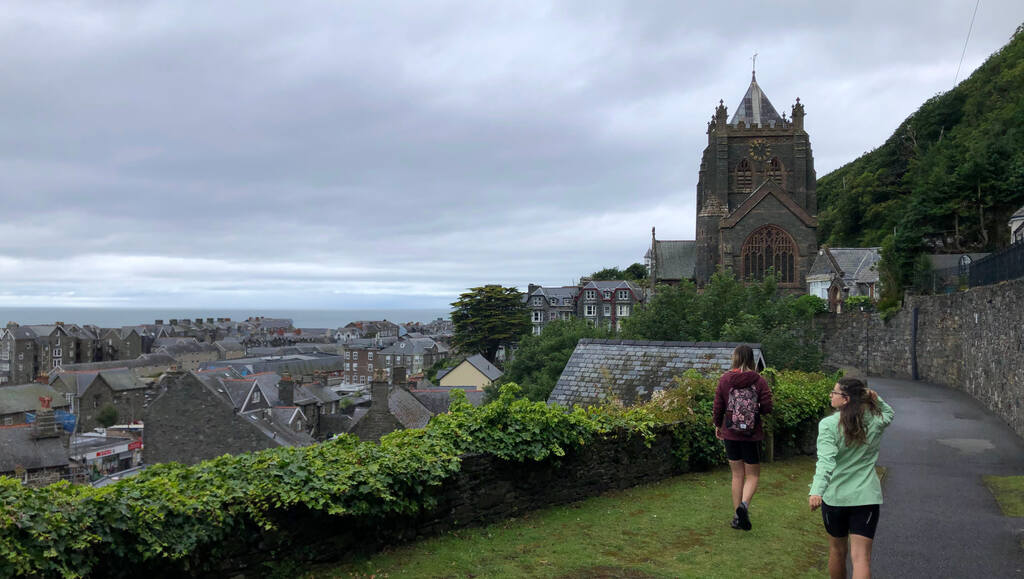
pixel 845 485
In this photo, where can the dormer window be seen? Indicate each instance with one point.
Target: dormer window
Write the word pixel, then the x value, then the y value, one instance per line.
pixel 538 300
pixel 553 301
pixel 255 396
pixel 607 294
pixel 590 294
pixel 622 295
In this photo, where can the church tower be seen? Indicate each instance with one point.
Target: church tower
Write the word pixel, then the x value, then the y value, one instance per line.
pixel 756 201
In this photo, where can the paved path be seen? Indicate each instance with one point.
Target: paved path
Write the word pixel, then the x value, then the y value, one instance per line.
pixel 939 519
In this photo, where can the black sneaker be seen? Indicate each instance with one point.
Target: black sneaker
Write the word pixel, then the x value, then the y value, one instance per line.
pixel 743 517
pixel 735 522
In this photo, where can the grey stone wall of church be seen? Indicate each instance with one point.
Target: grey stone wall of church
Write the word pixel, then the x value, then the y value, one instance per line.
pixel 972 341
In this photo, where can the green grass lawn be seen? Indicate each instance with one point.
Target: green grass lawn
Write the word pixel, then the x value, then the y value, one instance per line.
pixel 1009 493
pixel 678 527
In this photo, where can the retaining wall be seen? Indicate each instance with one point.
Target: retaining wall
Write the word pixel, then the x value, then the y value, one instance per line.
pixel 972 341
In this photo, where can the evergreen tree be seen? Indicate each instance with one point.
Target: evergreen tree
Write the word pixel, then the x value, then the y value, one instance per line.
pixel 488 317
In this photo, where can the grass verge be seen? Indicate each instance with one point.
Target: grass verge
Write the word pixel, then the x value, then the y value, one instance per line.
pixel 678 527
pixel 1009 493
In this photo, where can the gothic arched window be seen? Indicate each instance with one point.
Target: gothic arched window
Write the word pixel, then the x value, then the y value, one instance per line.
pixel 769 247
pixel 775 171
pixel 744 177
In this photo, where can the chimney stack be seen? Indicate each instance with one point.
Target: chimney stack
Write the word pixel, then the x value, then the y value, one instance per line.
pixel 286 390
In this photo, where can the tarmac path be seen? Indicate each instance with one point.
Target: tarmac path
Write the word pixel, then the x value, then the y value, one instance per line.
pixel 938 518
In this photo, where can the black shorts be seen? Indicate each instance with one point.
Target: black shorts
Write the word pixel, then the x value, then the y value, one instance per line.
pixel 749 451
pixel 842 521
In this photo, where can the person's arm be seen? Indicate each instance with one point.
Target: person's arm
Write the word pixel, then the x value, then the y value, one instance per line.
pixel 887 412
pixel 718 408
pixel 764 397
pixel 826 465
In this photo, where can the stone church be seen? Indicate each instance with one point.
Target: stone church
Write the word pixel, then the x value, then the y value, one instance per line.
pixel 756 200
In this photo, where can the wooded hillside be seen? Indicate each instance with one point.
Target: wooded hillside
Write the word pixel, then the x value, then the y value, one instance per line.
pixel 946 181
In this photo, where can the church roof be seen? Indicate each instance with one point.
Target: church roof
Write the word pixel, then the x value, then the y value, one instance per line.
pixel 755 108
pixel 675 260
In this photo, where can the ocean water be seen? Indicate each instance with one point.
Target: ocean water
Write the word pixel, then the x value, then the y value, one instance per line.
pixel 116 317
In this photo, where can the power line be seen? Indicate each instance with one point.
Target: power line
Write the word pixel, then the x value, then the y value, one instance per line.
pixel 969 29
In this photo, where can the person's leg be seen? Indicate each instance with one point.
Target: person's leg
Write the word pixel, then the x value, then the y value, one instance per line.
pixel 737 468
pixel 860 554
pixel 837 550
pixel 751 474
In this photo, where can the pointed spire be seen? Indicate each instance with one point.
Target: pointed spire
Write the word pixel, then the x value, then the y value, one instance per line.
pixel 755 109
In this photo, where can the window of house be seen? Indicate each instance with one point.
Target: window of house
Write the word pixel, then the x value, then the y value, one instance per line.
pixel 623 294
pixel 96 401
pixel 536 330
pixel 69 397
pixel 255 395
pixel 348 355
pixel 553 301
pixel 622 310
pixel 538 316
pixel 607 310
pixel 388 358
pixel 348 366
pixel 362 379
pixel 607 294
pixel 369 367
pixel 55 363
pixel 8 420
pixel 21 356
pixel 566 315
pixel 553 316
pixel 590 311
pixel 590 294
pixel 538 300
pixel 369 355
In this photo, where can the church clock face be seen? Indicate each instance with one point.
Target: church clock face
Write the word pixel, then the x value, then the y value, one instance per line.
pixel 759 150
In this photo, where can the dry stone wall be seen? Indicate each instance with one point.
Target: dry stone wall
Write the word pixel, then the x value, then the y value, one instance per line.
pixel 972 341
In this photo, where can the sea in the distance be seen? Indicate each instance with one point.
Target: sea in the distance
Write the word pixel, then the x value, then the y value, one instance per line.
pixel 117 317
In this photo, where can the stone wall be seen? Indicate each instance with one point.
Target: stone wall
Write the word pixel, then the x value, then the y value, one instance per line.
pixel 972 341
pixel 485 490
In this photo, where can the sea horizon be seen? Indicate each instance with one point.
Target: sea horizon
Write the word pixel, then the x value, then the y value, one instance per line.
pixel 301 318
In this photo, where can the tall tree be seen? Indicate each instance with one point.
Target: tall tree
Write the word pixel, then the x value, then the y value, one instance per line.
pixel 489 317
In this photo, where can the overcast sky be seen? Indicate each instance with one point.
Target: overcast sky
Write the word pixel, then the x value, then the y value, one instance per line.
pixel 392 154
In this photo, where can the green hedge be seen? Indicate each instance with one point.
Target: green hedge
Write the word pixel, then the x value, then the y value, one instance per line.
pixel 175 516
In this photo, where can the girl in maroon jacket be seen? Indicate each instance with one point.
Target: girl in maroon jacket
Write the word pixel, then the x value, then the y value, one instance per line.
pixel 741 399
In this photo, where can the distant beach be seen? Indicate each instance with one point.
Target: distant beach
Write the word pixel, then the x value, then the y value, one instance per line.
pixel 117 317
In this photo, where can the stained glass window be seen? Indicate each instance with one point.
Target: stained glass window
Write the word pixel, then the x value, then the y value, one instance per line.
pixel 769 247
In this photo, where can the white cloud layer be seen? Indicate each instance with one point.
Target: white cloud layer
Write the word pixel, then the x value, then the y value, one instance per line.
pixel 392 154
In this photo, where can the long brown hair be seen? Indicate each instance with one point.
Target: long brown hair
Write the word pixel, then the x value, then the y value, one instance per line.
pixel 851 415
pixel 743 358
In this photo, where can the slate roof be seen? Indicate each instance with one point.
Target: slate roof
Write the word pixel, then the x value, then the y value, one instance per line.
pixel 857 264
pixel 410 346
pixel 407 409
pixel 18 448
pixel 485 367
pixel 755 108
pixel 121 380
pixel 25 397
pixel 192 347
pixel 563 293
pixel 632 370
pixel 675 260
pixel 438 399
pixel 141 361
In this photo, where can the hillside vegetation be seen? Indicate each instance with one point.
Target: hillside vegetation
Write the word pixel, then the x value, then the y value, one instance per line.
pixel 946 181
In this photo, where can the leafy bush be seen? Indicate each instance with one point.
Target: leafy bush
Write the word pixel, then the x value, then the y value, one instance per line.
pixel 730 310
pixel 859 303
pixel 187 517
pixel 107 416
